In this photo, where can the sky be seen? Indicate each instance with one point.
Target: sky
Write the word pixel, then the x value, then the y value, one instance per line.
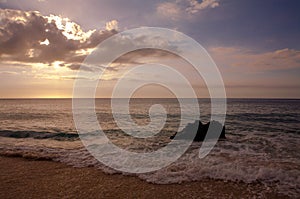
pixel 254 43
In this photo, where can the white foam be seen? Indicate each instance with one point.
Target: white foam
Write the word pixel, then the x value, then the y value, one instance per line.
pixel 249 159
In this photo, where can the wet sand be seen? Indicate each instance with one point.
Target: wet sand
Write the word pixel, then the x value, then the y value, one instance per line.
pixel 23 178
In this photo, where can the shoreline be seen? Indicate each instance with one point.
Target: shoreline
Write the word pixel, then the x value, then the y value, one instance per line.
pixel 28 178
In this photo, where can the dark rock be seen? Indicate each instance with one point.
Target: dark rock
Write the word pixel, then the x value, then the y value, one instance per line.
pixel 201 131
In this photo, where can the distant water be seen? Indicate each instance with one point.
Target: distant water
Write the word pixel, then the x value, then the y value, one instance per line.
pixel 263 139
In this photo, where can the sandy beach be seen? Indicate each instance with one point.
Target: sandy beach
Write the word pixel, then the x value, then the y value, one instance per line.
pixel 25 178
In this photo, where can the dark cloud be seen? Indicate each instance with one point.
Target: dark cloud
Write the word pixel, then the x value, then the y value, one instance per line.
pixel 139 56
pixel 21 34
pixel 84 67
pixel 29 37
pixel 77 66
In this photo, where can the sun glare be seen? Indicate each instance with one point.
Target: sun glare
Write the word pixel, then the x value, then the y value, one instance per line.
pixel 70 29
pixel 57 64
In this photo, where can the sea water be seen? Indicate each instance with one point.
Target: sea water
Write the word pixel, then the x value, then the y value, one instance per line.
pixel 262 145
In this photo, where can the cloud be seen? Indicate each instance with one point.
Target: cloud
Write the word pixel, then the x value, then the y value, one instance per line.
pixel 249 61
pixel 112 25
pixel 179 8
pixel 8 73
pixel 169 9
pixel 31 37
pixel 195 6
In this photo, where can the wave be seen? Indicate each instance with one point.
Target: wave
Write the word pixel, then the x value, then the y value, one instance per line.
pixel 186 169
pixel 248 159
pixel 39 135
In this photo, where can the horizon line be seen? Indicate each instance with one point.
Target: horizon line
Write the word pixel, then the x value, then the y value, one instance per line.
pixel 28 98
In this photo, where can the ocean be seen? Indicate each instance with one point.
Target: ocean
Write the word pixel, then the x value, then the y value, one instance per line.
pixel 262 139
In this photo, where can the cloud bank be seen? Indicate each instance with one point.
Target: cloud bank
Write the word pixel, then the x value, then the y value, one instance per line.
pixel 28 36
pixel 248 61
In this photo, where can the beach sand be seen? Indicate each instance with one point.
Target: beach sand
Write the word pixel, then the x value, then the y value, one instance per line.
pixel 25 178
